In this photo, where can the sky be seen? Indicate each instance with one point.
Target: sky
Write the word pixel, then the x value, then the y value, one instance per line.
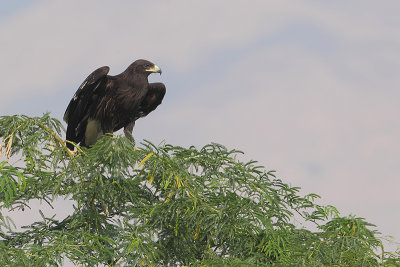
pixel 307 88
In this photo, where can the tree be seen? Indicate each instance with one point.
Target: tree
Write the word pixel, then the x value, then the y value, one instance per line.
pixel 165 205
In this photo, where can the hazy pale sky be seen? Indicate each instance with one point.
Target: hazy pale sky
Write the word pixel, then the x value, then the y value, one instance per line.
pixel 308 88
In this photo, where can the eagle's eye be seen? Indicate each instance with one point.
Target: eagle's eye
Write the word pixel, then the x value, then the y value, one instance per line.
pixel 147 65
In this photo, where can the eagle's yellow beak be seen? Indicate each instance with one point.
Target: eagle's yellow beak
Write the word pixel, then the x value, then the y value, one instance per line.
pixel 154 69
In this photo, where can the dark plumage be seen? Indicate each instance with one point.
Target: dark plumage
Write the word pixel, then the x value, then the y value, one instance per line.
pixel 105 104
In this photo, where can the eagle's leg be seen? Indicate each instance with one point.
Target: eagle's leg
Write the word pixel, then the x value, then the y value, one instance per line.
pixel 128 130
pixel 93 132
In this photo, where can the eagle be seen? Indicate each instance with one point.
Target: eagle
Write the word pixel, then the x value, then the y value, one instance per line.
pixel 104 103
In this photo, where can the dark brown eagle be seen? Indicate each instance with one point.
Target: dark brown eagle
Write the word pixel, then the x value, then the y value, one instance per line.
pixel 105 104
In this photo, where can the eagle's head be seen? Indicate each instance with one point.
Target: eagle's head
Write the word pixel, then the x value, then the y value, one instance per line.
pixel 142 66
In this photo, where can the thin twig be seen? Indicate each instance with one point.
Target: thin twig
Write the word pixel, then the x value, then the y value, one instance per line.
pixel 58 139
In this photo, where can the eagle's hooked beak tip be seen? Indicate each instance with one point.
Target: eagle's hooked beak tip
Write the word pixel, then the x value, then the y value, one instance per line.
pixel 157 69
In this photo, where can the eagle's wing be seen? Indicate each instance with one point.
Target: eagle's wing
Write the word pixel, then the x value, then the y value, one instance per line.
pixel 82 104
pixel 153 98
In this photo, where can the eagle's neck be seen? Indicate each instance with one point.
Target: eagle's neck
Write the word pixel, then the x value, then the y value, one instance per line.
pixel 133 79
pixel 138 81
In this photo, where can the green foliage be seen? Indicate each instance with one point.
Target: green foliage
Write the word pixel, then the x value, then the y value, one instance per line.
pixel 164 205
